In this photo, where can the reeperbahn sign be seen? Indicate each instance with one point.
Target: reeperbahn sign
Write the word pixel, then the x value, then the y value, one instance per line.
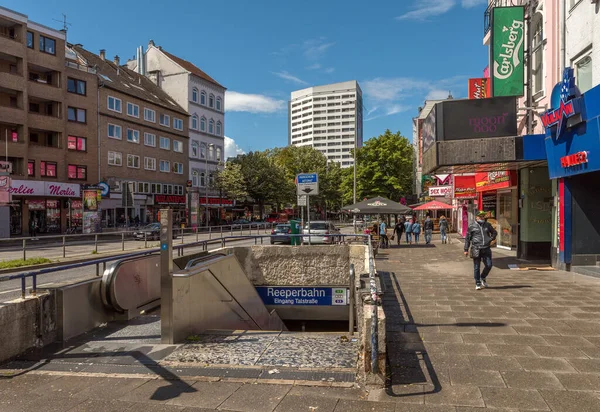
pixel 566 102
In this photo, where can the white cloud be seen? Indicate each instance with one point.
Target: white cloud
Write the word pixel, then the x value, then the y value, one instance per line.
pixel 253 103
pixel 387 89
pixel 231 148
pixel 316 48
pixel 287 76
pixel 467 4
pixel 437 94
pixel 329 70
pixel 315 66
pixel 428 8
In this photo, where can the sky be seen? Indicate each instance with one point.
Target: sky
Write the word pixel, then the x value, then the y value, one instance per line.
pixel 400 51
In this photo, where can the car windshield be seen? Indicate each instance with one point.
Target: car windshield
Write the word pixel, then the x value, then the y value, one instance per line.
pixel 282 228
pixel 153 226
pixel 317 226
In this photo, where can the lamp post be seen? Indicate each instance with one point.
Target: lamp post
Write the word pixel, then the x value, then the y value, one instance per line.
pixel 208 146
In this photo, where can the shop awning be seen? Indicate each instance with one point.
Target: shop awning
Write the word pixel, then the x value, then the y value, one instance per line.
pixel 434 205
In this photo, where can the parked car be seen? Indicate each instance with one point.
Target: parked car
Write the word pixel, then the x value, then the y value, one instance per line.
pixel 321 232
pixel 281 234
pixel 151 232
pixel 236 224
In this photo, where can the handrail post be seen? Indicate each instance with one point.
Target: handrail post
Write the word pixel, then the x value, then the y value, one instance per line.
pixel 34 285
pixel 210 232
pixel 145 240
pixel 351 300
pixel 64 245
pixel 23 287
pixel 96 243
pixel 182 233
pixel 196 233
pixel 123 241
pixel 24 249
pixel 221 231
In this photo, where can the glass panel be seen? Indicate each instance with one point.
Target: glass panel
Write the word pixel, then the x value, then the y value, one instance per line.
pixel 30 168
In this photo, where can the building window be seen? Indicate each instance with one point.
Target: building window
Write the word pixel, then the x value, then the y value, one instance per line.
pixel 177 146
pixel 133 161
pixel 178 168
pixel 149 163
pixel 202 179
pixel 155 188
pixel 203 98
pixel 114 131
pixel 114 104
pixel 133 136
pixel 150 139
pixel 203 124
pixel 77 143
pixel 583 73
pixel 195 95
pixel 76 115
pixel 149 115
pixel 77 172
pixel 177 124
pixel 195 122
pixel 165 166
pixel 211 152
pixel 537 69
pixel 47 45
pixel 219 128
pixel 165 120
pixel 211 126
pixel 133 110
pixel 218 103
pixel 30 39
pixel 195 177
pixel 202 150
pixel 211 100
pixel 194 148
pixel 115 158
pixel 165 143
pixel 218 154
pixel 76 86
pixel 31 168
pixel 48 169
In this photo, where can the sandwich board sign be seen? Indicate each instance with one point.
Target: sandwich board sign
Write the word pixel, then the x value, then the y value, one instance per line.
pixel 307 184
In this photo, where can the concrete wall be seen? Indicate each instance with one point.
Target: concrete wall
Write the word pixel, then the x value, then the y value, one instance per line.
pixel 27 324
pixel 298 266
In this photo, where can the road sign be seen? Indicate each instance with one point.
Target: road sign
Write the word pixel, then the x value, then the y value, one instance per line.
pixel 308 184
pixel 301 200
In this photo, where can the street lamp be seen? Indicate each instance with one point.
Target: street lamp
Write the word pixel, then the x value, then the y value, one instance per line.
pixel 209 146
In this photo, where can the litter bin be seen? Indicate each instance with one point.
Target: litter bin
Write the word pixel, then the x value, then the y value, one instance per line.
pixel 295 230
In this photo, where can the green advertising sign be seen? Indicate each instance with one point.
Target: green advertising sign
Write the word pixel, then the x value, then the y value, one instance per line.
pixel 508 42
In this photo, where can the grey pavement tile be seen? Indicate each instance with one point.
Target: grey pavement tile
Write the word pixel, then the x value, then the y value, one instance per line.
pixel 48 403
pixel 364 406
pixel 559 352
pixel 107 388
pixel 546 364
pixel 495 363
pixel 476 377
pixel 108 405
pixel 145 407
pixel 407 394
pixel 528 340
pixel 592 352
pixel 586 365
pixel 255 398
pixel 449 360
pixel 441 337
pixel 467 349
pixel 401 407
pixel 531 380
pixel 70 385
pixel 595 341
pixel 403 337
pixel 206 394
pixel 329 392
pixel 465 328
pixel 22 384
pixel 511 350
pixel 158 391
pixel 579 381
pixel 296 403
pixel 535 330
pixel 521 399
pixel 456 396
pixel 576 341
pixel 484 338
pixel 571 401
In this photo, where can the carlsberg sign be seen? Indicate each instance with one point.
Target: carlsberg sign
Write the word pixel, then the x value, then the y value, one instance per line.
pixel 508 42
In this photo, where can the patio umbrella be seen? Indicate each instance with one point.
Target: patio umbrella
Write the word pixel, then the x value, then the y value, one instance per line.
pixel 433 205
pixel 378 205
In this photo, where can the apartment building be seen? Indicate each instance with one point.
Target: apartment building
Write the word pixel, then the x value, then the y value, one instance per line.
pixel 48 127
pixel 328 118
pixel 143 144
pixel 582 42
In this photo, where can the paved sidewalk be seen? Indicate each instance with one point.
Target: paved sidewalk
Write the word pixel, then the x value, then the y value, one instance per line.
pixel 531 341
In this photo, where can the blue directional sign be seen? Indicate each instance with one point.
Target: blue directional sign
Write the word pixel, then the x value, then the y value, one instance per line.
pixel 308 184
pixel 303 296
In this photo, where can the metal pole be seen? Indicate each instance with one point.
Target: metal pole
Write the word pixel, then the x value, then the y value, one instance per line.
pixel 308 216
pixel 24 249
pixel 529 93
pixel 166 281
pixel 145 240
pixel 196 233
pixel 122 241
pixel 64 247
pixel 23 287
pixel 96 243
pixel 210 232
pixel 351 301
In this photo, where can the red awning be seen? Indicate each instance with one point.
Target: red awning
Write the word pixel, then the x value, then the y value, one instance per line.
pixel 434 205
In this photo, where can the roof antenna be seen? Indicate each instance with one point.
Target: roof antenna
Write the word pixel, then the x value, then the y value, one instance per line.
pixel 64 22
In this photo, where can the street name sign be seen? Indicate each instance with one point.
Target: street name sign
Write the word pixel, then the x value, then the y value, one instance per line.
pixel 303 296
pixel 308 184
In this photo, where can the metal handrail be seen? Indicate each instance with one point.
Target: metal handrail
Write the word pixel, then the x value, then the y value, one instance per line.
pixel 203 243
pixel 374 314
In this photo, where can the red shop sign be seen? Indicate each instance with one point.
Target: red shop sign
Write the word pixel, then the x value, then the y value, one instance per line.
pixel 169 199
pixel 464 187
pixel 495 180
pixel 575 159
pixel 216 201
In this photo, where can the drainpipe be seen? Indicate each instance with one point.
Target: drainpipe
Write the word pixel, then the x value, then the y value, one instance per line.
pixel 100 84
pixel 563 36
pixel 529 91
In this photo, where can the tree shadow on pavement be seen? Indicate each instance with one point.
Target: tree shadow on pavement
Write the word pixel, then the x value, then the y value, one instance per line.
pixel 408 364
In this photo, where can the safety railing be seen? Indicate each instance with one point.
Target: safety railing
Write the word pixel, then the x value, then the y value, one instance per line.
pixel 203 244
pixel 374 314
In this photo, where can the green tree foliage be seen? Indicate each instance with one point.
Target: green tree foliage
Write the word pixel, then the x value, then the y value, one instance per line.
pixel 230 182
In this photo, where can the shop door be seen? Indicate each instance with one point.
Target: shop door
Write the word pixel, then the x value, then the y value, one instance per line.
pixel 506 220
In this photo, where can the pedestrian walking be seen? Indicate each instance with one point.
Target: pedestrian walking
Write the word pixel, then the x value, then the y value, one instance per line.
pixel 383 235
pixel 408 229
pixel 443 228
pixel 416 230
pixel 480 235
pixel 399 230
pixel 428 229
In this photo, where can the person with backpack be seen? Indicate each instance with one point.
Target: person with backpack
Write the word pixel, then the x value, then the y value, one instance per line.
pixel 416 230
pixel 428 228
pixel 408 231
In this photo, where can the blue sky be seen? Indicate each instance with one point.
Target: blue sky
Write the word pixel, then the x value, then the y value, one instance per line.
pixel 401 52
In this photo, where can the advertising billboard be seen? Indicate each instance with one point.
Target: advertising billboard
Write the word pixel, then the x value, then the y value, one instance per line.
pixel 479 88
pixel 495 180
pixel 464 187
pixel 479 118
pixel 439 191
pixel 507 45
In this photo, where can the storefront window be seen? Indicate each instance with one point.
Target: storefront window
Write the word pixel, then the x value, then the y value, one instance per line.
pixel 76 214
pixel 16 217
pixel 506 220
pixel 53 216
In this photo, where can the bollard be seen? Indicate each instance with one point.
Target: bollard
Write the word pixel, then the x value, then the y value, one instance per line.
pixel 34 285
pixel 210 232
pixel 64 246
pixel 145 240
pixel 182 236
pixel 24 249
pixel 96 243
pixel 122 241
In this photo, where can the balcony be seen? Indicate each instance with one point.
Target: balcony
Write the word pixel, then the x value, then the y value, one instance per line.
pixel 15 140
pixel 44 138
pixel 11 37
pixel 487 14
pixel 11 106
pixel 44 82
pixel 45 114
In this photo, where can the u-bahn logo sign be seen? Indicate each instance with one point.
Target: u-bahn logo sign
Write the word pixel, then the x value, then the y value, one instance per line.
pixel 566 101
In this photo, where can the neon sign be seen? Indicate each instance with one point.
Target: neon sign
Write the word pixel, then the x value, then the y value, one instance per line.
pixel 566 103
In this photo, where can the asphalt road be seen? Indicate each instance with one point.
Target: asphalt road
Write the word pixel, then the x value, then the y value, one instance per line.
pixel 12 289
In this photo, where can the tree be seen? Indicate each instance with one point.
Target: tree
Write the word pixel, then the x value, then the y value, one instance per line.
pixel 384 168
pixel 230 182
